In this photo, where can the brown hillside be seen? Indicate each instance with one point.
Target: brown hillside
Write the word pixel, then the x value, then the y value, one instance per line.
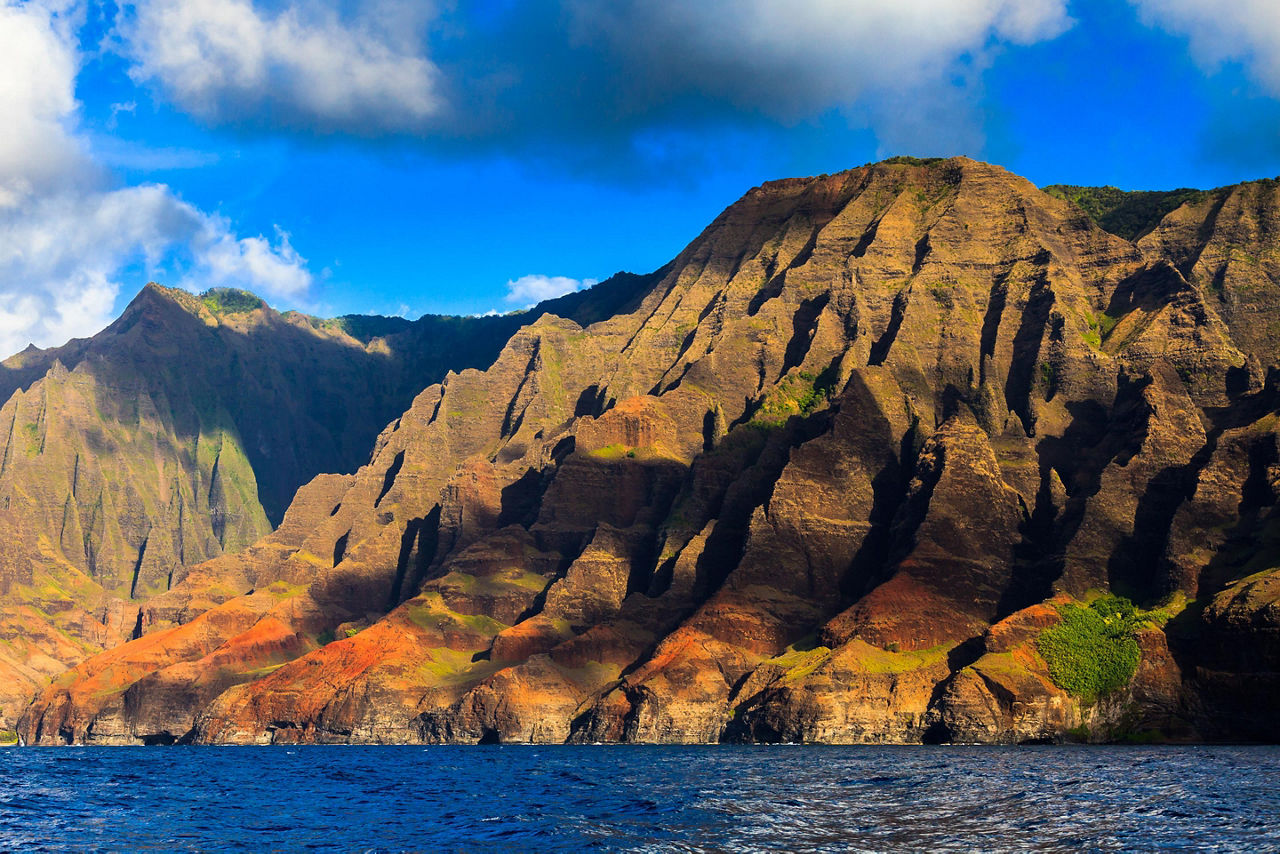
pixel 858 458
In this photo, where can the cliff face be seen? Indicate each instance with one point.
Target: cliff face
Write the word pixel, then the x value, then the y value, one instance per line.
pixel 180 434
pixel 848 470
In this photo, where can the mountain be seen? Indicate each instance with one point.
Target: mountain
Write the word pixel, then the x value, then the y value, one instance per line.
pixel 913 452
pixel 180 434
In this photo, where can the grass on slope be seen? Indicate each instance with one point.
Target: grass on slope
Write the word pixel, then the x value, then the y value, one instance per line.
pixel 798 394
pixel 1125 213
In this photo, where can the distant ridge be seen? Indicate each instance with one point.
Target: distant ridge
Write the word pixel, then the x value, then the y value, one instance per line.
pixel 179 434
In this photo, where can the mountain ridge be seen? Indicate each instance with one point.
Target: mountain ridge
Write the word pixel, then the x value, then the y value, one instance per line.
pixel 179 433
pixel 742 505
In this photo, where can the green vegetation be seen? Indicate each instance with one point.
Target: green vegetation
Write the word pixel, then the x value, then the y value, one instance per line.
pixel 613 451
pixel 364 328
pixel 8 736
pixel 31 433
pixel 230 301
pixel 1174 605
pixel 1093 651
pixel 904 160
pixel 429 612
pixel 802 658
pixel 1100 326
pixel 805 656
pixel 496 584
pixel 446 666
pixel 798 394
pixel 1127 214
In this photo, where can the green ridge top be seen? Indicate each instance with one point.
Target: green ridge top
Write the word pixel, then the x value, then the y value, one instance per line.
pixel 1126 213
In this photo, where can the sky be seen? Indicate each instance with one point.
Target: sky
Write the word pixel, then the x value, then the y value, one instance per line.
pixel 468 156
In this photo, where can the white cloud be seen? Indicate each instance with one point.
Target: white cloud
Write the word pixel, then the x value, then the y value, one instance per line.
pixel 580 70
pixel 792 57
pixel 530 290
pixel 231 61
pixel 60 256
pixel 119 153
pixel 130 107
pixel 37 101
pixel 225 260
pixel 1242 30
pixel 65 232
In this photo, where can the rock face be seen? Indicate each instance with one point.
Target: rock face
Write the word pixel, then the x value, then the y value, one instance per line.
pixel 180 434
pixel 832 475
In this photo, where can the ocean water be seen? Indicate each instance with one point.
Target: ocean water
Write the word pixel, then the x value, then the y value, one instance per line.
pixel 639 798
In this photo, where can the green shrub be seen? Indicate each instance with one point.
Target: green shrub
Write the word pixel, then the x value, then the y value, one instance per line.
pixel 1100 326
pixel 1093 651
pixel 798 394
pixel 230 301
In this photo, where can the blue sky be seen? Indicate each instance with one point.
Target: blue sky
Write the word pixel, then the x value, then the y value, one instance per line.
pixel 343 156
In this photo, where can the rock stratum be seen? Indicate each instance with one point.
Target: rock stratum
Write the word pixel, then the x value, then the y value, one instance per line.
pixel 913 452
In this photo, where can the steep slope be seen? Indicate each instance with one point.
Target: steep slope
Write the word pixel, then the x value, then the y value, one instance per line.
pixel 1226 243
pixel 181 433
pixel 856 457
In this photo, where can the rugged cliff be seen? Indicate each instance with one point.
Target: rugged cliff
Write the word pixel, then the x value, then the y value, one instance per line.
pixel 882 456
pixel 181 433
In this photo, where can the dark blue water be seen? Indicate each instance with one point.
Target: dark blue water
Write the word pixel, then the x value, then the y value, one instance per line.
pixel 639 798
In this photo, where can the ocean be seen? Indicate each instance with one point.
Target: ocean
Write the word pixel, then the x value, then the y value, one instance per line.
pixel 639 798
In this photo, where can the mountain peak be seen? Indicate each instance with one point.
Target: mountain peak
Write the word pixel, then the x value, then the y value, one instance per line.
pixel 219 301
pixel 154 301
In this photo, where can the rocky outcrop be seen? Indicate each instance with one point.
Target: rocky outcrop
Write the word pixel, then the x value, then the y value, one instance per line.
pixel 1234 651
pixel 831 476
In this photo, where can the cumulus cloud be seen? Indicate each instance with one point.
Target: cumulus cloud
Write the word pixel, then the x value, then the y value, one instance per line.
pixel 908 69
pixel 794 58
pixel 577 72
pixel 231 61
pixel 1247 31
pixel 37 97
pixel 65 232
pixel 530 290
pixel 60 256
pixel 225 260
